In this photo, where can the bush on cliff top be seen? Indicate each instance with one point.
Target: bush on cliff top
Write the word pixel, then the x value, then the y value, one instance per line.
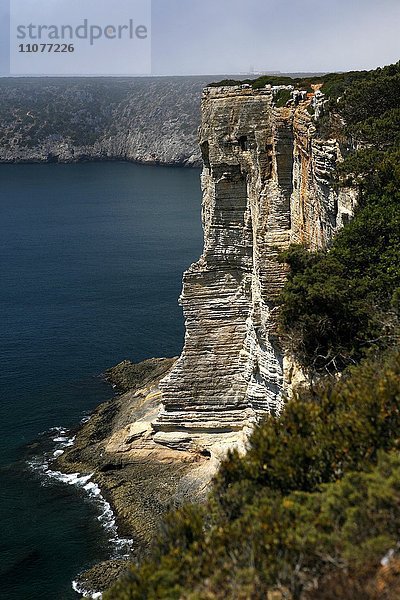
pixel 334 84
pixel 338 303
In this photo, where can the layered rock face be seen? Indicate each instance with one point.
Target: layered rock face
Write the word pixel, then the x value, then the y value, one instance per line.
pixel 267 182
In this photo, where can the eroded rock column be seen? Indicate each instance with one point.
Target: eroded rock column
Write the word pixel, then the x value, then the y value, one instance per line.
pixel 266 182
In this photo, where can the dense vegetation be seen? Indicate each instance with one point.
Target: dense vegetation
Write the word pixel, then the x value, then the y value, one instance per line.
pixel 312 511
pixel 316 497
pixel 79 110
pixel 334 83
pixel 82 111
pixel 340 302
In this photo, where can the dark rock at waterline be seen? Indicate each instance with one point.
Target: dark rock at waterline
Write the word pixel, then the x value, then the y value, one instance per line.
pixel 128 376
pixel 101 576
pixel 141 479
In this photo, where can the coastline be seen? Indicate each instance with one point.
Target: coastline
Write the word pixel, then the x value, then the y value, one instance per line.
pixel 188 163
pixel 95 213
pixel 139 480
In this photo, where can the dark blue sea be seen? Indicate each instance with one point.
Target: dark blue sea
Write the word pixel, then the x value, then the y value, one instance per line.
pixel 91 261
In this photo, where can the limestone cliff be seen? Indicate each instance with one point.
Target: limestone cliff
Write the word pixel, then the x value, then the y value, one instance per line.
pixel 267 182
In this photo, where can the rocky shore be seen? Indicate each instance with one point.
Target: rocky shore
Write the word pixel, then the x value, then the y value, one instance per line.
pixel 140 479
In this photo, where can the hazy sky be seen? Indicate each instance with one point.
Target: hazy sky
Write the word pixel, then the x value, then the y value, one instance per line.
pixel 215 36
pixel 232 36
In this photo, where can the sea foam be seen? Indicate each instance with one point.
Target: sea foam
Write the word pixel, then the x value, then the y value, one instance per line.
pixel 79 589
pixel 121 547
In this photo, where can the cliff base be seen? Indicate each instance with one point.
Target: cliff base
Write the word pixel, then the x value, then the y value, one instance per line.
pixel 141 479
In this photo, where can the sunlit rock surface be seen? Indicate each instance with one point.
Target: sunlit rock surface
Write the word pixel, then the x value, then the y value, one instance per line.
pixel 267 182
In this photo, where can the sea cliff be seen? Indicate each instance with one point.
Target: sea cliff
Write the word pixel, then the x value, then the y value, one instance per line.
pixel 267 181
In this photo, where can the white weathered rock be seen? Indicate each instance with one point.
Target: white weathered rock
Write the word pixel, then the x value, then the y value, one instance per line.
pixel 267 181
pixel 175 440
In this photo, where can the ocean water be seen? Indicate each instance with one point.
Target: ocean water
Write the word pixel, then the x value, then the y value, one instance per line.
pixel 91 260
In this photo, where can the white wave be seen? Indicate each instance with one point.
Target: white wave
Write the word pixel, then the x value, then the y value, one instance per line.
pixel 58 453
pixel 58 429
pixel 62 439
pixel 69 442
pixel 121 546
pixel 85 419
pixel 86 593
pixel 70 478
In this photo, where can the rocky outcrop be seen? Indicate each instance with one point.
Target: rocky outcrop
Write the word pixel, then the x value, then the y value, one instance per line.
pixel 142 480
pixel 267 182
pixel 148 120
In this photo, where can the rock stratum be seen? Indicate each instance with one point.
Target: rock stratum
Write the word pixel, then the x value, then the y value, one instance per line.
pixel 147 120
pixel 267 182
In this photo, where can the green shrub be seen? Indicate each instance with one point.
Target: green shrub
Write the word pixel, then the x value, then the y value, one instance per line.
pixel 282 97
pixel 318 490
pixel 322 433
pixel 340 302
